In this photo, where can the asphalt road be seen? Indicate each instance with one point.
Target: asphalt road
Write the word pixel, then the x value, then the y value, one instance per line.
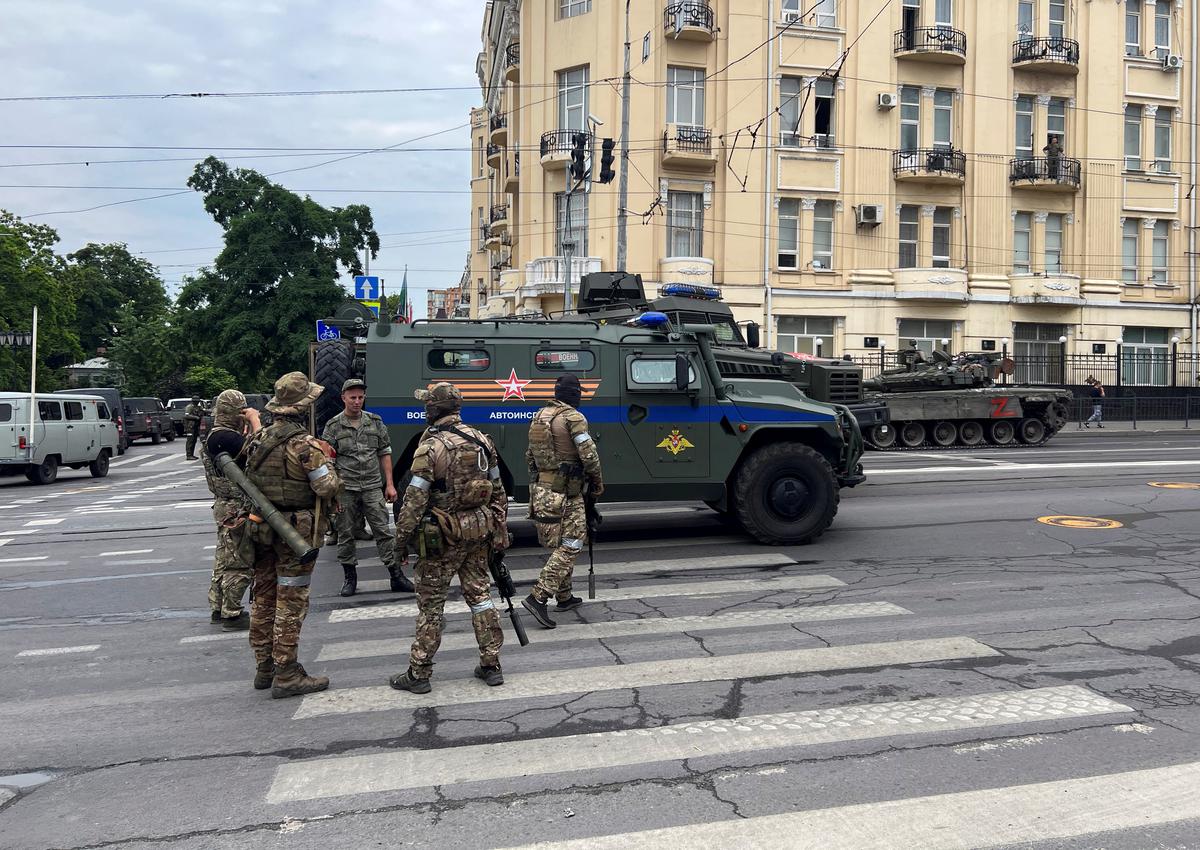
pixel 939 670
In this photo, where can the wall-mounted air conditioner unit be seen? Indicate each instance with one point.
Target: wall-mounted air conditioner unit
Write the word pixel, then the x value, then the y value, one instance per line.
pixel 887 100
pixel 791 17
pixel 869 215
pixel 1172 62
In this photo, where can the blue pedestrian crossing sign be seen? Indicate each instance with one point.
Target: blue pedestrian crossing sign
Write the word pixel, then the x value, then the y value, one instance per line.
pixel 327 332
pixel 366 287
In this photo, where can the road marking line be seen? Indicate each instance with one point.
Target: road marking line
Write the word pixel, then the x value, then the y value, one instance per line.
pixel 207 638
pixel 990 817
pixel 4 540
pixel 414 768
pixel 157 461
pixel 622 628
pixel 645 674
pixel 14 532
pixel 44 521
pixel 701 588
pixel 1030 466
pixel 22 560
pixel 137 562
pixel 214 546
pixel 126 552
pixel 58 650
pixel 33 585
pixel 85 511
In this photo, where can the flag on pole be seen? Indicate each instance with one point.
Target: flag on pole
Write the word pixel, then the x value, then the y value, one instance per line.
pixel 404 308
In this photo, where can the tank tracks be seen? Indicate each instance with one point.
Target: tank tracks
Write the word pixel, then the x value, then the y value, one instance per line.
pixel 955 447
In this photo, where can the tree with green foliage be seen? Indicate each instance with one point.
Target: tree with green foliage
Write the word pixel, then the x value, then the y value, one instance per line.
pixel 207 381
pixel 106 279
pixel 146 348
pixel 255 311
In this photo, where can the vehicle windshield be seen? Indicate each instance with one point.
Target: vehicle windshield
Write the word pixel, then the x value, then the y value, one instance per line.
pixel 179 403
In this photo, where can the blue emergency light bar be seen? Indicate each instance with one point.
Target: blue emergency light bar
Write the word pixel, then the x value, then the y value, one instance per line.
pixel 651 320
pixel 690 290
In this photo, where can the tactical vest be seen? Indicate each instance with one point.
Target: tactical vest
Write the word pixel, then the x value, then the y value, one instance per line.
pixel 466 484
pixel 553 451
pixel 267 468
pixel 218 484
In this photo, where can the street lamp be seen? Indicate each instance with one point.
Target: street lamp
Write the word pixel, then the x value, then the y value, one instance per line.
pixel 1175 362
pixel 817 343
pixel 1062 358
pixel 1003 357
pixel 945 343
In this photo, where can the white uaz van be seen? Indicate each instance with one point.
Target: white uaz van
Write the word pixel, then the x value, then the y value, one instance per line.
pixel 68 430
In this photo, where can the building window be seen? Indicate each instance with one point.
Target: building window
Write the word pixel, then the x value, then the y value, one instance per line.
pixel 823 136
pixel 1056 120
pixel 685 224
pixel 943 118
pixel 1133 28
pixel 1025 14
pixel 1058 18
pixel 483 229
pixel 1160 242
pixel 571 8
pixel 943 218
pixel 573 99
pixel 910 118
pixel 1130 249
pixel 576 230
pixel 685 96
pixel 1024 140
pixel 1038 352
pixel 1162 140
pixel 1022 225
pixel 1133 137
pixel 1052 261
pixel 482 157
pixel 799 334
pixel 825 13
pixel 789 233
pixel 910 230
pixel 823 235
pixel 789 111
pixel 1145 357
pixel 924 334
pixel 943 12
pixel 1162 28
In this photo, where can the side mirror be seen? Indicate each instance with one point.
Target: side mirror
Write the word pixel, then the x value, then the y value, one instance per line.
pixel 752 338
pixel 682 372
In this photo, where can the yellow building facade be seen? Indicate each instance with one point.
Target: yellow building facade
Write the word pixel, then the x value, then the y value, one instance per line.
pixel 852 174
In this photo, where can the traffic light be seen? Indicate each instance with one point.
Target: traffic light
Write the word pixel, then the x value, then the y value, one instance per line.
pixel 606 161
pixel 578 154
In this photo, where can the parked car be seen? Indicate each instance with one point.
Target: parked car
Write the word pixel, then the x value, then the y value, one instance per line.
pixel 177 407
pixel 116 409
pixel 68 430
pixel 147 417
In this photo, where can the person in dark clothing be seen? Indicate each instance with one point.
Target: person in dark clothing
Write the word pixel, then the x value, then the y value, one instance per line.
pixel 1097 395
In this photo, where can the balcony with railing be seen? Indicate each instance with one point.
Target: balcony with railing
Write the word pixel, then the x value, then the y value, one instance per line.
pixel 930 165
pixel 1051 289
pixel 1054 55
pixel 499 129
pixel 499 219
pixel 690 20
pixel 688 147
pixel 493 155
pixel 512 63
pixel 941 44
pixel 1046 173
pixel 555 147
pixel 512 177
pixel 548 275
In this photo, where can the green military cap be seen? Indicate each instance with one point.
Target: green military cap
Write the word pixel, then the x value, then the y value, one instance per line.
pixel 354 383
pixel 294 390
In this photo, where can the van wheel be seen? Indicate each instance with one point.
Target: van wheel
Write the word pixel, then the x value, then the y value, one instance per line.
pixel 169 434
pixel 99 467
pixel 155 437
pixel 45 472
pixel 786 493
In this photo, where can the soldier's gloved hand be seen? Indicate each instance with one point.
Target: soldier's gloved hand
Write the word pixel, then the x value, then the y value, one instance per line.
pixel 596 489
pixel 501 540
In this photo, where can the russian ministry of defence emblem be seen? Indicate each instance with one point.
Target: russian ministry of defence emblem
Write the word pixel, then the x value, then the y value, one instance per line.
pixel 675 442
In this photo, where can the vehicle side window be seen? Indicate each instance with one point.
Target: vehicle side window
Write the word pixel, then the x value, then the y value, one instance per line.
pixel 102 411
pixel 49 411
pixel 5 413
pixel 459 359
pixel 565 361
pixel 655 372
pixel 74 411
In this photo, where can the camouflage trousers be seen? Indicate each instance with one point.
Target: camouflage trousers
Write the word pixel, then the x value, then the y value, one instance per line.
pixel 230 576
pixel 469 563
pixel 368 504
pixel 190 445
pixel 566 538
pixel 281 585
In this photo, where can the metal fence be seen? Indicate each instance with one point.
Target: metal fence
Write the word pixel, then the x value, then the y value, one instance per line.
pixel 1134 409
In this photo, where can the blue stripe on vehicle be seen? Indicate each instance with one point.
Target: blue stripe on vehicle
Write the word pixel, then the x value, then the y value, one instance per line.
pixel 613 414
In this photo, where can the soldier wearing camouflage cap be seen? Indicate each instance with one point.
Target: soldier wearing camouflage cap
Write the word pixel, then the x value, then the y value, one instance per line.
pixel 455 512
pixel 231 573
pixel 192 415
pixel 292 470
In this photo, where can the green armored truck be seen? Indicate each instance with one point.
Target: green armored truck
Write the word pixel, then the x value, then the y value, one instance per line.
pixel 669 425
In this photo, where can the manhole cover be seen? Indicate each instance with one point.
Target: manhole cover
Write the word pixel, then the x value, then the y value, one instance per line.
pixel 1082 522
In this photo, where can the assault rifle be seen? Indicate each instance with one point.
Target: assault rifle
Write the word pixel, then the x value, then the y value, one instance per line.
pixel 504 586
pixel 593 525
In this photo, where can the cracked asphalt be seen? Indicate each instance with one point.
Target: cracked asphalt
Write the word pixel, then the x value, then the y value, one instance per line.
pixel 129 719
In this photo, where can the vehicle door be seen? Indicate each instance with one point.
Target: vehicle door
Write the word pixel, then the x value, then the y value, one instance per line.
pixel 51 439
pixel 667 425
pixel 81 436
pixel 107 436
pixel 8 431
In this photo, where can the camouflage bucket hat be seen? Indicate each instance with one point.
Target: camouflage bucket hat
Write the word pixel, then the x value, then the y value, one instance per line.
pixel 294 390
pixel 440 395
pixel 230 402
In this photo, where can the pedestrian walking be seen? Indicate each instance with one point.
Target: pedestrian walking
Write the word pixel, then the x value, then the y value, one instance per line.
pixel 455 512
pixel 1096 393
pixel 364 463
pixel 291 469
pixel 564 467
pixel 192 415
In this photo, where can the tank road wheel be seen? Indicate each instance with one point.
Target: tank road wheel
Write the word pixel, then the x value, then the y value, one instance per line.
pixel 332 365
pixel 943 433
pixel 1055 416
pixel 882 436
pixel 912 434
pixel 1031 431
pixel 785 493
pixel 970 433
pixel 1001 432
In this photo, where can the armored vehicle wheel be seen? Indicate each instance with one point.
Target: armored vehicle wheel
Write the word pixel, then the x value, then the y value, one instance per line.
pixel 45 472
pixel 882 436
pixel 943 433
pixel 1031 431
pixel 1001 432
pixel 970 433
pixel 785 493
pixel 99 467
pixel 332 365
pixel 912 434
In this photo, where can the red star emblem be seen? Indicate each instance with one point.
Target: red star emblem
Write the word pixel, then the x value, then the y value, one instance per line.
pixel 514 387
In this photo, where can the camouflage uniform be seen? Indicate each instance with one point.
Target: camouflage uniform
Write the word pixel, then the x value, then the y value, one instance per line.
pixel 293 472
pixel 231 575
pixel 192 415
pixel 563 460
pixel 459 478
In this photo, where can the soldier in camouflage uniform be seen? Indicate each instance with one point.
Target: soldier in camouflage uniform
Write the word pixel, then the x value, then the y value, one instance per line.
pixel 364 463
pixel 456 511
pixel 563 465
pixel 292 470
pixel 192 415
pixel 231 575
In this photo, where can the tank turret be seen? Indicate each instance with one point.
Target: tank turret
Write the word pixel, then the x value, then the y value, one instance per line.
pixel 941 371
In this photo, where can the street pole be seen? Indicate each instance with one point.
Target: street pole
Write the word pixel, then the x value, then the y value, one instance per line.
pixel 33 381
pixel 623 184
pixel 568 253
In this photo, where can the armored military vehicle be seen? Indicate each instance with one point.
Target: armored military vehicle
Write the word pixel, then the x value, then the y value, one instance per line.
pixel 669 423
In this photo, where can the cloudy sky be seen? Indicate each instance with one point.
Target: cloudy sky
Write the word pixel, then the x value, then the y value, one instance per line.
pixel 52 152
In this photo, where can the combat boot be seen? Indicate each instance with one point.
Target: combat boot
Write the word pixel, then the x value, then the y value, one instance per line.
pixel 264 674
pixel 406 681
pixel 568 604
pixel 400 584
pixel 292 681
pixel 538 610
pixel 492 676
pixel 236 624
pixel 351 584
pixel 331 538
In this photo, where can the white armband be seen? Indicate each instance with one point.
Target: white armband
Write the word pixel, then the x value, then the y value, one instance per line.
pixel 420 483
pixel 318 473
pixel 582 438
pixel 494 473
